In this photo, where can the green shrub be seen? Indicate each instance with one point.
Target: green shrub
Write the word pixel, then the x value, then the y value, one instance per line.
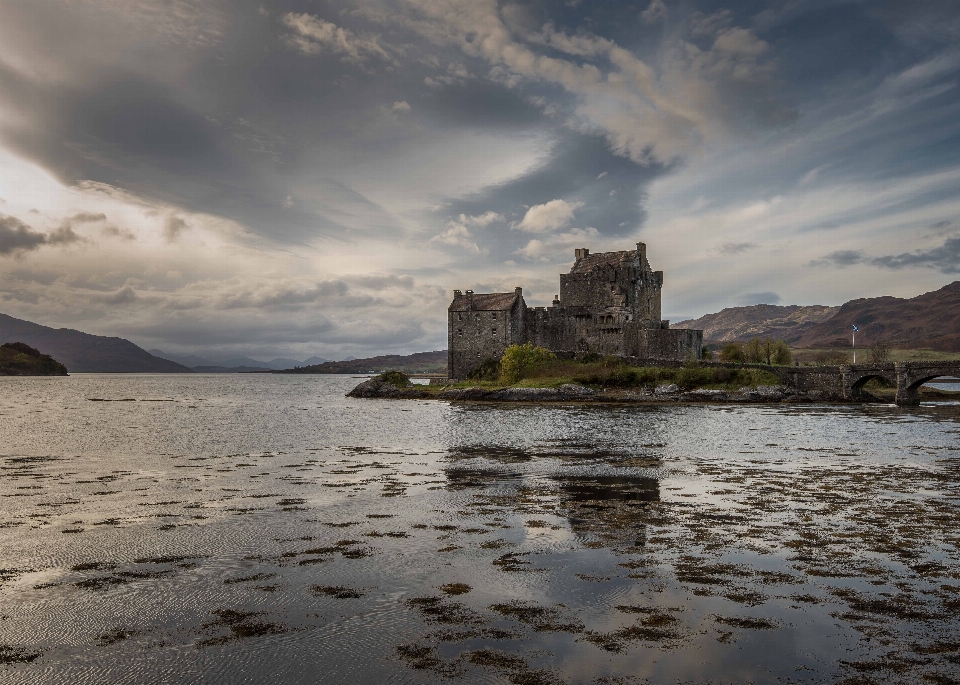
pixel 732 352
pixel 782 354
pixel 396 378
pixel 522 361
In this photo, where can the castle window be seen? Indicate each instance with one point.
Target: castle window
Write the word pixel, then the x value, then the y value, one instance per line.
pixel 460 332
pixel 493 330
pixel 459 316
pixel 493 315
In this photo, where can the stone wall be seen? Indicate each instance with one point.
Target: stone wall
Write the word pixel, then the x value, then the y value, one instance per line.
pixel 476 335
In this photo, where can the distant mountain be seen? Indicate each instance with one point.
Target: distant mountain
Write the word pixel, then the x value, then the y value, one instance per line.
pixel 230 369
pixel 234 364
pixel 85 353
pixel 281 363
pixel 762 320
pixel 930 321
pixel 420 362
pixel 190 360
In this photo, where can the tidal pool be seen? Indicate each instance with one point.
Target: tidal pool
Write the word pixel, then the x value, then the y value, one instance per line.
pixel 259 528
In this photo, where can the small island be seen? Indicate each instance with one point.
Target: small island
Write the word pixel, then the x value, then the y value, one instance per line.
pixel 19 359
pixel 526 373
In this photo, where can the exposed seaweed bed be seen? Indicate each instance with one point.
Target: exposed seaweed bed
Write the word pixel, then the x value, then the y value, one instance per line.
pixel 431 542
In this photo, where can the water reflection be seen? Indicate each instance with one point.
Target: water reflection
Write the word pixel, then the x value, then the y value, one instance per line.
pixel 274 529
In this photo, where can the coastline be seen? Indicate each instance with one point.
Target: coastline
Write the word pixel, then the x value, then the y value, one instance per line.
pixel 375 388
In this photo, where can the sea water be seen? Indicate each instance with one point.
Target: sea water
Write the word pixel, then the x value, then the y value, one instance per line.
pixel 267 529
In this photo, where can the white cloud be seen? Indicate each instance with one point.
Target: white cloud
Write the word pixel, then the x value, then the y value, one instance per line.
pixel 549 216
pixel 401 107
pixel 458 235
pixel 313 35
pixel 484 219
pixel 656 11
pixel 559 246
pixel 647 114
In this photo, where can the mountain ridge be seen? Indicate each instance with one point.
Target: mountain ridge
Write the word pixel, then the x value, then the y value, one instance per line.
pixel 738 324
pixel 929 321
pixel 83 352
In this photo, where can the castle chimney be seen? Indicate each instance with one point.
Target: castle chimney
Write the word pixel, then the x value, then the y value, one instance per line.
pixel 580 253
pixel 556 300
pixel 457 293
pixel 642 249
pixel 518 291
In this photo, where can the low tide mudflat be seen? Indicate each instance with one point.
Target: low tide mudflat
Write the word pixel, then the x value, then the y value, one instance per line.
pixel 268 529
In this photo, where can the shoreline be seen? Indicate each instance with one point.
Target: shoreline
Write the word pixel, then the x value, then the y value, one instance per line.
pixel 376 388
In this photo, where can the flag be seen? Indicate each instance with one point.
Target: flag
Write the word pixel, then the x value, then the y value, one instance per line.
pixel 855 329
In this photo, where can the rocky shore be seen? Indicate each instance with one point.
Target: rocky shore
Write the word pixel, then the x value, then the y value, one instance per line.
pixel 379 388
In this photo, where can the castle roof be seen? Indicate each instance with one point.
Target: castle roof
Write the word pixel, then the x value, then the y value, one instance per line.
pixel 483 302
pixel 602 259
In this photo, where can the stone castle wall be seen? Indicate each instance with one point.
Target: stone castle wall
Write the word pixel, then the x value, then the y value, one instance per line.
pixel 609 304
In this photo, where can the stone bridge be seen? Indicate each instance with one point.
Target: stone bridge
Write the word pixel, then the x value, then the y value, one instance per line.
pixel 906 376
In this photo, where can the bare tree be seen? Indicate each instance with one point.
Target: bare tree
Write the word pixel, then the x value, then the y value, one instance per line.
pixel 880 352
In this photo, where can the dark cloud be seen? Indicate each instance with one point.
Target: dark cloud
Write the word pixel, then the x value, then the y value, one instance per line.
pixel 730 249
pixel 64 235
pixel 17 237
pixel 173 227
pixel 945 258
pixel 580 169
pixel 88 218
pixel 750 299
pixel 841 258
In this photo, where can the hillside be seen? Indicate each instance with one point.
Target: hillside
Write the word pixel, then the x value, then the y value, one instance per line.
pixel 18 359
pixel 420 362
pixel 930 321
pixel 788 323
pixel 85 353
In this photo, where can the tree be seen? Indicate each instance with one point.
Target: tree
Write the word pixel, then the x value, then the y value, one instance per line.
pixel 767 347
pixel 782 354
pixel 519 361
pixel 732 352
pixel 754 351
pixel 880 352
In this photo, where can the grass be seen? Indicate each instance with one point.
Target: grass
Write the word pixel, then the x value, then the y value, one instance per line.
pixel 807 355
pixel 611 372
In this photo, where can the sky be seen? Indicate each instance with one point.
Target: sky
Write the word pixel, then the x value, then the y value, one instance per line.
pixel 298 178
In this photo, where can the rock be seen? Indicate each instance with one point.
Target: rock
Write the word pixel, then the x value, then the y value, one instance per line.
pixel 525 394
pixel 771 389
pixel 669 389
pixel 375 387
pixel 701 395
pixel 574 390
pixel 474 394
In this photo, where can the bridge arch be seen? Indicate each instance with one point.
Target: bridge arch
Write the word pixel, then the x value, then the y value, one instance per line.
pixel 856 387
pixel 911 376
pixel 855 377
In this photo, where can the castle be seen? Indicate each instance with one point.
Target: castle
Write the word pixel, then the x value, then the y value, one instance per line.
pixel 609 303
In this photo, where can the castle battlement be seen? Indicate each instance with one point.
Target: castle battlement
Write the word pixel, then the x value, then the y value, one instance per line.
pixel 609 303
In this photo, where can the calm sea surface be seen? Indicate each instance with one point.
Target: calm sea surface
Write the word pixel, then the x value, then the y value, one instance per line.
pixel 267 529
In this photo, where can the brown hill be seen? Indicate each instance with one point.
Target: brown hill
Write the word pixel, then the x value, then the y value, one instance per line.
pixel 929 321
pixel 762 320
pixel 420 362
pixel 85 353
